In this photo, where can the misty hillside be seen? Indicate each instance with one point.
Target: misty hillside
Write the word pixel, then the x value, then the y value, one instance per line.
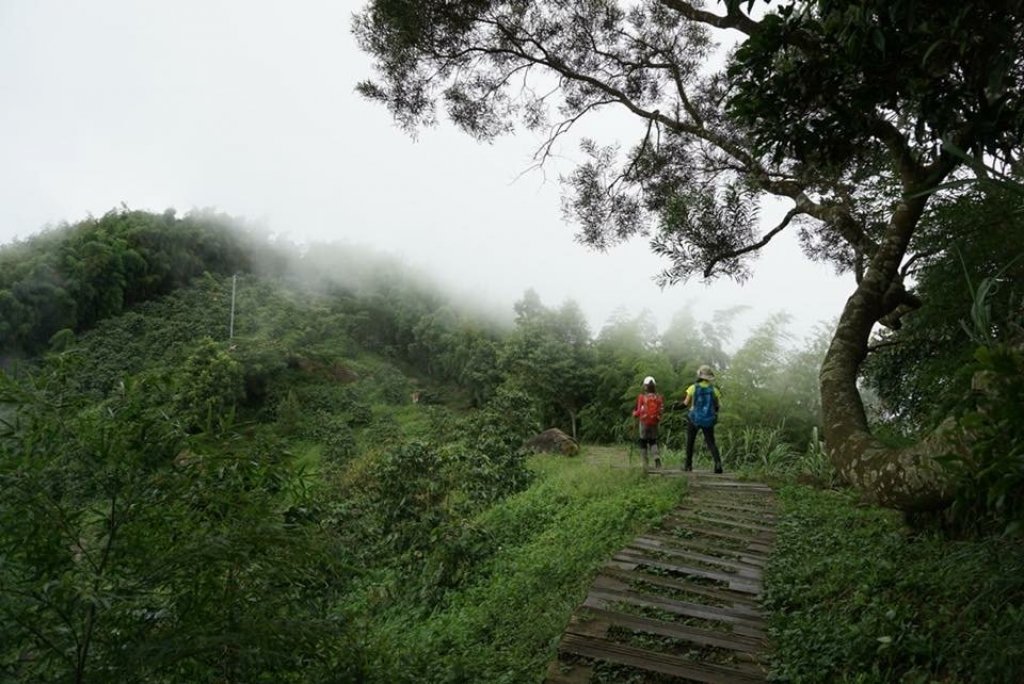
pixel 265 492
pixel 226 459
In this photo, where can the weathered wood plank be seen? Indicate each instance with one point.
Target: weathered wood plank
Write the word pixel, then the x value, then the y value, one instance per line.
pixel 743 584
pixel 568 673
pixel 728 503
pixel 729 534
pixel 722 521
pixel 702 545
pixel 736 583
pixel 741 603
pixel 601 598
pixel 749 647
pixel 661 564
pixel 742 569
pixel 744 555
pixel 588 625
pixel 652 661
pixel 757 517
pixel 724 480
pixel 734 486
pixel 690 525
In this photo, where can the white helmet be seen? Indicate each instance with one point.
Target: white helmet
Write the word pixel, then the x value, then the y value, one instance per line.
pixel 649 380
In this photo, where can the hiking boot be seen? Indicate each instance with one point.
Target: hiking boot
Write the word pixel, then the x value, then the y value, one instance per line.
pixel 687 468
pixel 657 462
pixel 718 470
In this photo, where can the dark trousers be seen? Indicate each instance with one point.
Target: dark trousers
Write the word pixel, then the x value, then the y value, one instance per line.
pixel 709 439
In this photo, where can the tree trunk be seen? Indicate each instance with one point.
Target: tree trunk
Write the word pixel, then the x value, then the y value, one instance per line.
pixel 908 478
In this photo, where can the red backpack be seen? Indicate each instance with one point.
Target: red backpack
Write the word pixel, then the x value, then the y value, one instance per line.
pixel 648 408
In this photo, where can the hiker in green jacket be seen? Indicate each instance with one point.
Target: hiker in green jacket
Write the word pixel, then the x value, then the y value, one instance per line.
pixel 703 400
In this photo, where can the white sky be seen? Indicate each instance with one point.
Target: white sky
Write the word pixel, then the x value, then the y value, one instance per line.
pixel 248 106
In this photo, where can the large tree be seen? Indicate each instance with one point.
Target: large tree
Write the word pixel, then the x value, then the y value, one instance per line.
pixel 855 112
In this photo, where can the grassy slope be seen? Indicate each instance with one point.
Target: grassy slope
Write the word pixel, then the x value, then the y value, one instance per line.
pixel 856 598
pixel 546 544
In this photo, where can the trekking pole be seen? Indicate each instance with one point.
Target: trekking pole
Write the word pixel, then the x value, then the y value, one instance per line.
pixel 636 440
pixel 632 446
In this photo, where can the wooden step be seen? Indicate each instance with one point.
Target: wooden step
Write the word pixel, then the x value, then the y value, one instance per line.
pixel 732 621
pixel 757 517
pixel 741 569
pixel 568 673
pixel 741 584
pixel 749 647
pixel 749 557
pixel 683 514
pixel 653 661
pixel 740 602
pixel 606 586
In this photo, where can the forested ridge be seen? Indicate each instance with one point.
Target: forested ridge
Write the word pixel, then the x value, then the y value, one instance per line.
pixel 339 492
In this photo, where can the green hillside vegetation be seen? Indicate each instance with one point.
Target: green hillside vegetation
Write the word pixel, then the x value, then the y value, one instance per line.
pixel 339 492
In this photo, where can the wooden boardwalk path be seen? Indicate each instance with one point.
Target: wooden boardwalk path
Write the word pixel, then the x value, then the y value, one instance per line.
pixel 679 603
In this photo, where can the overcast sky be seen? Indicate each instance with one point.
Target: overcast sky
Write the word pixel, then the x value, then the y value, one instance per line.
pixel 248 106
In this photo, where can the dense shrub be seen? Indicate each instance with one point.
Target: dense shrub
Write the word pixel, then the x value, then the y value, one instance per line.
pixel 208 385
pixel 990 472
pixel 130 553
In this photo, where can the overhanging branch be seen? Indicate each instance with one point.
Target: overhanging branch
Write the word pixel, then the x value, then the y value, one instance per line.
pixel 753 247
pixel 733 19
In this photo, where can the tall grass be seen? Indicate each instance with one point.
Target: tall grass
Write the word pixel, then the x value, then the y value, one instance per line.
pixel 537 553
pixel 763 452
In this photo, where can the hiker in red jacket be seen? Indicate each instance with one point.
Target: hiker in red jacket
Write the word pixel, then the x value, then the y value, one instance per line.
pixel 648 414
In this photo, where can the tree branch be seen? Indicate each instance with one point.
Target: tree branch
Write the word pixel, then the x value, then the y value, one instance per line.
pixel 755 246
pixel 558 130
pixel 733 19
pixel 905 270
pixel 636 158
pixel 882 345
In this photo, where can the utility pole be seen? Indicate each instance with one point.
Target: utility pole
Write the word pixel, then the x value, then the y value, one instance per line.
pixel 231 325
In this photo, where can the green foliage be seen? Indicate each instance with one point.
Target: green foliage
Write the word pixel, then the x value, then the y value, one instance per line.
pixel 990 472
pixel 392 386
pixel 289 413
pixel 853 598
pixel 209 384
pixel 339 442
pixel 75 276
pixel 809 81
pixel 130 555
pixel 922 371
pixel 362 537
pixel 416 491
pixel 815 466
pixel 761 447
pixel 990 476
pixel 551 357
pixel 768 383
